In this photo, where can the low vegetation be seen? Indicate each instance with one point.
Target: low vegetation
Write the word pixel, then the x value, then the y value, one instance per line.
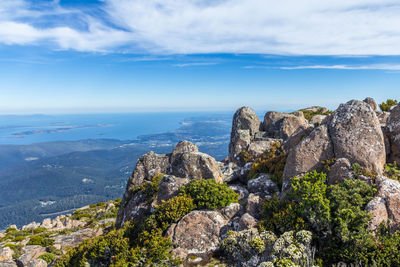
pixel 142 243
pixel 308 113
pixel 273 162
pixel 385 106
pixel 392 170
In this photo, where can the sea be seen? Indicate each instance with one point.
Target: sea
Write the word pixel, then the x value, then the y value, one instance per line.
pixel 29 129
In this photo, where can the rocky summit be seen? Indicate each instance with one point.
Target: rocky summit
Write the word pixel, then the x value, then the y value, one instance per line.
pixel 309 188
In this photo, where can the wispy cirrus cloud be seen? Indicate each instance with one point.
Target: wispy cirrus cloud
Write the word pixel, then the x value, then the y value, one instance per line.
pixel 303 27
pixel 393 67
pixel 194 64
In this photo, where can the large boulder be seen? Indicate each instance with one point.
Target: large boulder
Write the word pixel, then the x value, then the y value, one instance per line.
pixel 308 154
pixel 196 165
pixel 169 187
pixel 30 252
pixel 245 124
pixel 258 147
pixel 6 253
pixel 283 125
pixel 377 208
pixel 340 170
pixel 371 102
pixel 356 135
pixel 197 234
pixel 263 185
pixel 393 134
pixel 63 242
pixel 148 165
pixel 134 206
pixel 37 263
pixel 393 208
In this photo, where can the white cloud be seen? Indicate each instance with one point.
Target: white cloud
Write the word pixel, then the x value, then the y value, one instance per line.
pixel 394 67
pixel 302 27
pixel 194 64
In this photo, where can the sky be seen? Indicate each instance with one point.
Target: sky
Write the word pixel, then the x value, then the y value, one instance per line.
pixel 69 56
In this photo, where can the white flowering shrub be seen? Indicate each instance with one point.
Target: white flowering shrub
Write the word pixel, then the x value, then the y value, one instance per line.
pixel 251 248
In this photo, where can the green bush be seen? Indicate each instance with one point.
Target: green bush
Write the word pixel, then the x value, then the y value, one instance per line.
pixel 385 106
pixel 358 170
pixel 18 238
pixel 280 216
pixel 39 230
pixel 392 170
pixel 48 257
pixel 40 241
pixel 273 162
pixel 310 194
pixel 208 194
pixel 173 210
pixel 150 189
pixel 308 114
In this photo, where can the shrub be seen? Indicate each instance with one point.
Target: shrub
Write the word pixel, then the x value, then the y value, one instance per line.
pixel 40 241
pixel 272 162
pixel 385 106
pixel 150 189
pixel 310 194
pixel 358 170
pixel 39 230
pixel 18 238
pixel 48 257
pixel 280 216
pixel 251 246
pixel 392 170
pixel 208 194
pixel 173 210
pixel 308 114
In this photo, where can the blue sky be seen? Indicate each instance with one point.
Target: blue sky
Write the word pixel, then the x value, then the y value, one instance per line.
pixel 141 55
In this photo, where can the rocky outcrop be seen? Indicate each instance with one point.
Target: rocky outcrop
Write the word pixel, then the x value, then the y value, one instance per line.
pixel 308 154
pixel 377 208
pixel 356 135
pixel 183 164
pixel 6 253
pixel 393 134
pixel 257 147
pixel 30 253
pixel 195 165
pixel 340 170
pixel 63 242
pixel 263 185
pixel 197 234
pixel 283 125
pixel 371 102
pixel 245 124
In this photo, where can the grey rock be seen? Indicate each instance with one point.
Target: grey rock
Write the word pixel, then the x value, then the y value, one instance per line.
pixel 283 125
pixel 263 185
pixel 230 171
pixel 340 170
pixel 8 263
pixel 377 208
pixel 63 242
pixel 37 263
pixel 169 187
pixel 196 165
pixel 253 205
pixel 386 186
pixel 393 134
pixel 318 119
pixel 393 209
pixel 383 116
pixel 6 253
pixel 356 135
pixel 245 124
pixel 30 252
pixel 231 210
pixel 247 221
pixel 257 148
pixel 133 207
pixel 296 137
pixel 371 102
pixel 184 147
pixel 197 234
pixel 308 154
pixel 240 190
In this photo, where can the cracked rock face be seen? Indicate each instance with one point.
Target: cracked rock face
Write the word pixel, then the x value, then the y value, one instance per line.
pixel 308 154
pixel 356 135
pixel 182 165
pixel 245 125
pixel 393 134
pixel 197 234
pixel 283 125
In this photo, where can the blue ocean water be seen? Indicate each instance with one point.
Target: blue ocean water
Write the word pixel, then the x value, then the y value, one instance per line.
pixel 28 129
